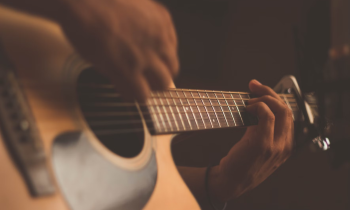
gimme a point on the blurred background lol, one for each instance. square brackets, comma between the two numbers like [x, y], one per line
[225, 44]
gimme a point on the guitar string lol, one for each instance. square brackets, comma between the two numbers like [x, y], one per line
[116, 104]
[95, 123]
[109, 86]
[184, 128]
[149, 102]
[116, 95]
[123, 113]
[183, 90]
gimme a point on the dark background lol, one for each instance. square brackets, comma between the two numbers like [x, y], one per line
[225, 44]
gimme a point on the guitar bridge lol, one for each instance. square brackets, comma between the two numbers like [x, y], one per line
[20, 135]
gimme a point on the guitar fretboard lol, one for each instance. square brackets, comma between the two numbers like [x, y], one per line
[179, 110]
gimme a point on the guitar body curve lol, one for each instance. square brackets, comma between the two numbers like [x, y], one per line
[47, 70]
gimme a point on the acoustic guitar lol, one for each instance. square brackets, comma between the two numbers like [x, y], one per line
[68, 141]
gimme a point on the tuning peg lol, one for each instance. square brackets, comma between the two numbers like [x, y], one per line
[320, 143]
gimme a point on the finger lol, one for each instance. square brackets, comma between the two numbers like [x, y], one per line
[166, 49]
[168, 54]
[282, 114]
[260, 90]
[125, 71]
[131, 87]
[266, 119]
[170, 30]
[157, 74]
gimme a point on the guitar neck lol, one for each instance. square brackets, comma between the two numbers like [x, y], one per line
[178, 110]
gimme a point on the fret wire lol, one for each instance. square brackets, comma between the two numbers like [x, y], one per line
[196, 97]
[166, 113]
[207, 112]
[94, 114]
[250, 120]
[195, 129]
[111, 104]
[234, 119]
[237, 109]
[114, 95]
[242, 102]
[198, 128]
[287, 102]
[245, 104]
[156, 118]
[186, 90]
[214, 110]
[161, 116]
[188, 119]
[199, 111]
[292, 99]
[179, 113]
[222, 110]
[195, 119]
[213, 91]
[172, 112]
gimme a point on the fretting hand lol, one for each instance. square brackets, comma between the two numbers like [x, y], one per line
[262, 149]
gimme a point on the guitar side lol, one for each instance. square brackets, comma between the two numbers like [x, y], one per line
[39, 51]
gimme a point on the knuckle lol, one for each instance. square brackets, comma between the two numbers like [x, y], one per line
[288, 113]
[280, 152]
[268, 97]
[266, 149]
[267, 112]
[270, 117]
[284, 110]
[268, 153]
[267, 88]
[288, 150]
[262, 106]
[164, 10]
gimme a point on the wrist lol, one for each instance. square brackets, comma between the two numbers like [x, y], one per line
[216, 185]
[211, 186]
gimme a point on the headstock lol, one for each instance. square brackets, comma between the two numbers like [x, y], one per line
[306, 126]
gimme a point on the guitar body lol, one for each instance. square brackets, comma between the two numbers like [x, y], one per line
[85, 173]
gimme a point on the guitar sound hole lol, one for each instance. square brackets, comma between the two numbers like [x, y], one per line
[116, 123]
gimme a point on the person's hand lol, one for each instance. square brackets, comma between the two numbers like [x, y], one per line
[132, 42]
[262, 149]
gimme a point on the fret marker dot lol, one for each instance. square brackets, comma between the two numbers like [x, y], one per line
[213, 120]
[186, 108]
